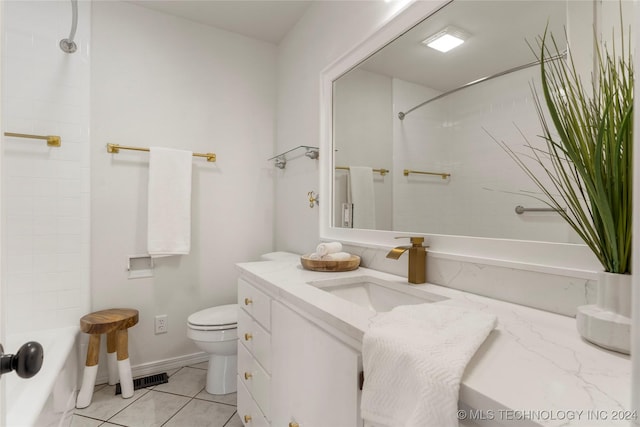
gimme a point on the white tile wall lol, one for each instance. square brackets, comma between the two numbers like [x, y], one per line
[45, 190]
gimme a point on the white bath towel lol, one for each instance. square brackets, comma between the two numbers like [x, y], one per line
[362, 196]
[413, 359]
[169, 204]
[328, 248]
[336, 256]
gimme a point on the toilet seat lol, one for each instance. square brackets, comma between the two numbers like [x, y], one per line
[213, 328]
[218, 318]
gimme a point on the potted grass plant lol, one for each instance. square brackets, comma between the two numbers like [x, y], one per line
[584, 170]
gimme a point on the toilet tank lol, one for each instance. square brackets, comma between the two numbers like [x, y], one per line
[279, 256]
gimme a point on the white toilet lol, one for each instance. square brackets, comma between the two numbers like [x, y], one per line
[214, 330]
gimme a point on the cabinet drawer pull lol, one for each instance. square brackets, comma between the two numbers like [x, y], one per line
[248, 301]
[294, 424]
[247, 418]
[247, 375]
[247, 336]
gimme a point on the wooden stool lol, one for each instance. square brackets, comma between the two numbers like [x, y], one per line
[115, 323]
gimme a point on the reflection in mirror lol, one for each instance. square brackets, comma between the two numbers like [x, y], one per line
[446, 175]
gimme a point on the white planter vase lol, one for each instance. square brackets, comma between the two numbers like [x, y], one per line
[608, 322]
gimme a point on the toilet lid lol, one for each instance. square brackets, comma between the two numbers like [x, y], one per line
[215, 316]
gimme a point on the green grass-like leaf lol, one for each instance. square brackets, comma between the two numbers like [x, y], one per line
[588, 155]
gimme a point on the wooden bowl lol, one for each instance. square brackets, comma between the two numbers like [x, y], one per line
[328, 265]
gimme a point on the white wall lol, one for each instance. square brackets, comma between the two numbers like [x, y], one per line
[327, 31]
[158, 80]
[45, 190]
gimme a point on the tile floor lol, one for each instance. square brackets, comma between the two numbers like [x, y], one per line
[182, 402]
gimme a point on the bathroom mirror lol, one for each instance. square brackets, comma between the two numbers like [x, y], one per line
[458, 181]
[461, 191]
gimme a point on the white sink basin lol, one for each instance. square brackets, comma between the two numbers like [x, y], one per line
[375, 294]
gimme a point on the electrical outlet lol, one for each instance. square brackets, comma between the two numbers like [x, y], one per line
[161, 324]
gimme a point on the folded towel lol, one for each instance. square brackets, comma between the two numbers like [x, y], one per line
[169, 202]
[328, 248]
[413, 358]
[337, 256]
[362, 196]
[315, 256]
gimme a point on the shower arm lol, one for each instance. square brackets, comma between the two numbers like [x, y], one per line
[68, 45]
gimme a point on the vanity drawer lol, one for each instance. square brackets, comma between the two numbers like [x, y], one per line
[257, 381]
[255, 302]
[255, 339]
[248, 411]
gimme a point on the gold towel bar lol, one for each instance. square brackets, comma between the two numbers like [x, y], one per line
[382, 172]
[115, 148]
[52, 140]
[443, 175]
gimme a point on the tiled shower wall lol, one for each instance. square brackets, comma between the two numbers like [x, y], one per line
[45, 239]
[455, 135]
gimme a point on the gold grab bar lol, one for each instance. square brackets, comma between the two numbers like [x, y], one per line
[52, 140]
[382, 172]
[115, 148]
[443, 175]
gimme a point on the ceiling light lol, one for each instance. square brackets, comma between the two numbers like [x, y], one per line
[446, 39]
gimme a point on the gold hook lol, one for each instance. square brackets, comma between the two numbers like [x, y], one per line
[313, 199]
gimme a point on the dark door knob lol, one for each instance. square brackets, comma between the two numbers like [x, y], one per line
[26, 362]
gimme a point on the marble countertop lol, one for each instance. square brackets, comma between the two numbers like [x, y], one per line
[533, 370]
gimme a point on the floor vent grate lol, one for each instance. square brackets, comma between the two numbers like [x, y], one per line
[144, 382]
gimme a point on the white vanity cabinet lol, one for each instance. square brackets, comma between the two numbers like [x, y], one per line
[254, 347]
[291, 371]
[315, 376]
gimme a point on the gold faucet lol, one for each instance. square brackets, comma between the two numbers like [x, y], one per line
[417, 259]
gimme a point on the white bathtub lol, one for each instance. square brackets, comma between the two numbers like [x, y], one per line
[47, 399]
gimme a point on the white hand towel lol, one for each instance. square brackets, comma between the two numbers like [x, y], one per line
[328, 248]
[413, 358]
[336, 256]
[169, 204]
[362, 196]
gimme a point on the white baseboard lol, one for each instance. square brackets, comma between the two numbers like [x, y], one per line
[160, 366]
